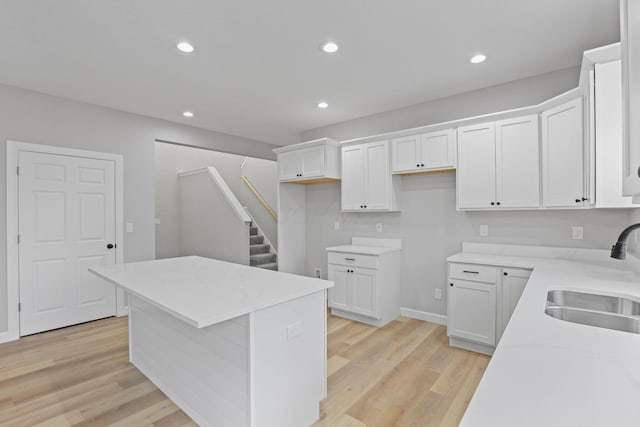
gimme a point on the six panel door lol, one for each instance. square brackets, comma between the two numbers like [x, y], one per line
[66, 221]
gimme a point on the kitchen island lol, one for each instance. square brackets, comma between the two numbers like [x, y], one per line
[228, 343]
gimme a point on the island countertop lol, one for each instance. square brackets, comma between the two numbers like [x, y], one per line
[203, 291]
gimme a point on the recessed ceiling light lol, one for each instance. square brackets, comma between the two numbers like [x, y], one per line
[329, 47]
[188, 114]
[322, 104]
[476, 59]
[185, 47]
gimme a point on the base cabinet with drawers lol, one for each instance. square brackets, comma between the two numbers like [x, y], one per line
[481, 299]
[366, 285]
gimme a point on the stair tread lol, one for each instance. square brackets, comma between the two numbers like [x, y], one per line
[261, 248]
[269, 266]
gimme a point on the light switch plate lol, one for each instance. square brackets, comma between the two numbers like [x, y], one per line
[437, 294]
[129, 227]
[379, 227]
[484, 230]
[577, 232]
[336, 225]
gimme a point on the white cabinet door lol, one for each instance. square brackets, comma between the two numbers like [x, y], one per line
[377, 176]
[513, 283]
[339, 294]
[312, 162]
[476, 176]
[437, 150]
[406, 153]
[353, 176]
[630, 38]
[517, 163]
[563, 172]
[288, 165]
[364, 292]
[608, 136]
[472, 311]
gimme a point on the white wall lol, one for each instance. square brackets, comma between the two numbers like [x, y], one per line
[428, 224]
[28, 116]
[172, 158]
[210, 226]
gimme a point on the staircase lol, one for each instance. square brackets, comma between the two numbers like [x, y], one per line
[260, 253]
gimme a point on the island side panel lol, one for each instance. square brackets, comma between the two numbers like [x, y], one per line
[288, 360]
[204, 371]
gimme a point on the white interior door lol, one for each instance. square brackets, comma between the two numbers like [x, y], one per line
[66, 220]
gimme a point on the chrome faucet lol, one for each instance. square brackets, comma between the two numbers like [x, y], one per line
[619, 250]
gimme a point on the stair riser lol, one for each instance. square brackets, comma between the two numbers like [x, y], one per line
[262, 259]
[259, 249]
[256, 240]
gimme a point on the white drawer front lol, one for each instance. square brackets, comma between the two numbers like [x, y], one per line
[478, 273]
[355, 260]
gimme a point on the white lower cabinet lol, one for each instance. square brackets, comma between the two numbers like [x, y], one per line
[481, 300]
[366, 286]
[472, 311]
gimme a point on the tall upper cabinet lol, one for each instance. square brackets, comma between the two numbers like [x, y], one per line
[630, 37]
[498, 164]
[564, 181]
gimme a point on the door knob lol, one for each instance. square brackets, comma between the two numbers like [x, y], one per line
[111, 246]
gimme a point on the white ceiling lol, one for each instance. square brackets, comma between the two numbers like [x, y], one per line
[257, 70]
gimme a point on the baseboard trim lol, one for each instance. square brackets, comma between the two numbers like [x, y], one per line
[7, 337]
[423, 315]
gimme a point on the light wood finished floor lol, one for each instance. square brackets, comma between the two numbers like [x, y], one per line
[404, 374]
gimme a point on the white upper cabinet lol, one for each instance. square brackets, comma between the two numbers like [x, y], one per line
[563, 156]
[309, 162]
[426, 152]
[498, 165]
[608, 135]
[367, 183]
[517, 163]
[630, 37]
[476, 172]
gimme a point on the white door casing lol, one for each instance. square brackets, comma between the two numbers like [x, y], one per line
[81, 184]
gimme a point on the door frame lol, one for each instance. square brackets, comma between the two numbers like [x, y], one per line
[13, 261]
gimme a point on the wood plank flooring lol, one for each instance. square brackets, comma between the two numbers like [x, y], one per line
[404, 374]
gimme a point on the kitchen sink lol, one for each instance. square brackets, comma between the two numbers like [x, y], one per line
[586, 301]
[602, 311]
[595, 318]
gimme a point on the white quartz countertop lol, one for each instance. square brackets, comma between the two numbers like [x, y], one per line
[364, 250]
[203, 291]
[548, 372]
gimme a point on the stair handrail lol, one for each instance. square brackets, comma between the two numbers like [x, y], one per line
[224, 189]
[266, 239]
[260, 198]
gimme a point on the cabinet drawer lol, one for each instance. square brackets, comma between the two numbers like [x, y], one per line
[478, 273]
[356, 260]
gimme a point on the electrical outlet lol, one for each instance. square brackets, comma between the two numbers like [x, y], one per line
[379, 227]
[317, 272]
[484, 230]
[437, 294]
[336, 225]
[577, 232]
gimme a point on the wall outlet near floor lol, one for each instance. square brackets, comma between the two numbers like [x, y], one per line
[577, 232]
[379, 227]
[317, 272]
[336, 225]
[484, 230]
[437, 293]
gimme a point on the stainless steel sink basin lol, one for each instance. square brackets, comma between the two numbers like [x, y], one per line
[595, 318]
[603, 311]
[586, 301]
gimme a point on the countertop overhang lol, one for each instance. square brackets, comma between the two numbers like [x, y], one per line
[203, 291]
[549, 372]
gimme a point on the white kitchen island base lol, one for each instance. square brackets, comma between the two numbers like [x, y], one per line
[265, 368]
[231, 345]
